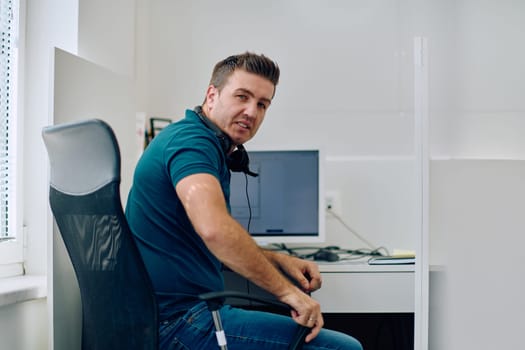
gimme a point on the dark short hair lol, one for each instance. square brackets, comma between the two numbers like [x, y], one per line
[250, 62]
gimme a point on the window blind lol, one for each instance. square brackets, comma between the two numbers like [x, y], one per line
[7, 135]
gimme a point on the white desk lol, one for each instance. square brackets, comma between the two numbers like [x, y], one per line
[374, 303]
[354, 287]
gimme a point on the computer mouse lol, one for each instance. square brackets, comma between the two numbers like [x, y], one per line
[326, 255]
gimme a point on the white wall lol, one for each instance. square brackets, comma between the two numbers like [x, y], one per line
[24, 326]
[477, 78]
[49, 23]
[346, 87]
[106, 34]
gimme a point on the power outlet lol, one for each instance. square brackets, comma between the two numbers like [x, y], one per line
[332, 201]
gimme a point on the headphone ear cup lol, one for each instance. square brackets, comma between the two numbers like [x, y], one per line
[238, 161]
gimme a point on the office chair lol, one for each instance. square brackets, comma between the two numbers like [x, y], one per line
[119, 309]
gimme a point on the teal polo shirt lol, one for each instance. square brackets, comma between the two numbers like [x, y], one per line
[177, 260]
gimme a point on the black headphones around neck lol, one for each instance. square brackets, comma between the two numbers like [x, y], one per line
[238, 160]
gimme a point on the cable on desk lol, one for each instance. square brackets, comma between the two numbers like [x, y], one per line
[356, 253]
[373, 247]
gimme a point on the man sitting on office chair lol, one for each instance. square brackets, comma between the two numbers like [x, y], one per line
[178, 210]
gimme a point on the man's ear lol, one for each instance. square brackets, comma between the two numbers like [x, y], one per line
[211, 95]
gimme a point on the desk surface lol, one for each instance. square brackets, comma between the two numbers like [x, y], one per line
[362, 266]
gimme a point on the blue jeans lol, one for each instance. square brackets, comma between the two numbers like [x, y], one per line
[244, 330]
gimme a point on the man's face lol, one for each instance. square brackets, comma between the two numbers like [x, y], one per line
[239, 108]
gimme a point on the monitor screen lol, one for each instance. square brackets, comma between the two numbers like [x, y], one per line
[282, 204]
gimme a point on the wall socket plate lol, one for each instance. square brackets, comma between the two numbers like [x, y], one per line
[332, 201]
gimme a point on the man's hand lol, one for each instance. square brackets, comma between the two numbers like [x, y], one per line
[304, 272]
[305, 311]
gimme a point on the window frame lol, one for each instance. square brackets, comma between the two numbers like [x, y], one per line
[12, 248]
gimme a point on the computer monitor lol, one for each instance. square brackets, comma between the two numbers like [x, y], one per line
[284, 204]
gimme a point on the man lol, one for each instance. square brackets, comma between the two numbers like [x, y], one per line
[178, 210]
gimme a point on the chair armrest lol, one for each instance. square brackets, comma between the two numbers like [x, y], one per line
[216, 299]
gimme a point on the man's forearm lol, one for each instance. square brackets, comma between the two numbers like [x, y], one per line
[272, 256]
[237, 250]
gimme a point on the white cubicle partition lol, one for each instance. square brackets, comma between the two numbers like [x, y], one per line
[477, 219]
[421, 146]
[84, 90]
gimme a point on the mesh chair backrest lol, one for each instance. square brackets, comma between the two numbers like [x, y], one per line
[118, 304]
